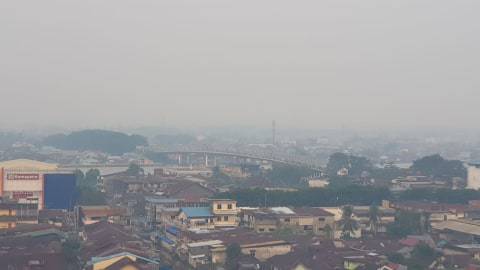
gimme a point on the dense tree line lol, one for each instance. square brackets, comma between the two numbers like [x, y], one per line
[460, 196]
[288, 176]
[115, 143]
[358, 195]
[338, 196]
[9, 138]
[361, 168]
[438, 167]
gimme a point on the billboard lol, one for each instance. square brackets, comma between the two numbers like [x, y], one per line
[59, 191]
[23, 176]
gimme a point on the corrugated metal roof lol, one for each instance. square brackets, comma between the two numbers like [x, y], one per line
[472, 228]
[197, 211]
[282, 210]
[173, 230]
[160, 200]
[27, 164]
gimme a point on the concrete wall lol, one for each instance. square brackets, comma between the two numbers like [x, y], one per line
[473, 180]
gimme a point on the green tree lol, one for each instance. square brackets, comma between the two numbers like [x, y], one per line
[421, 257]
[355, 165]
[405, 223]
[234, 251]
[425, 222]
[396, 258]
[134, 170]
[373, 218]
[348, 224]
[90, 196]
[71, 251]
[91, 178]
[288, 176]
[112, 142]
[80, 177]
[438, 167]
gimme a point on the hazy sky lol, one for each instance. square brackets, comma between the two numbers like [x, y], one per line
[368, 63]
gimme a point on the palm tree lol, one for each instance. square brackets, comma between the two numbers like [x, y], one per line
[425, 222]
[373, 218]
[348, 224]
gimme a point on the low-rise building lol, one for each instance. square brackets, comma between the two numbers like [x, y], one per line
[93, 214]
[210, 247]
[415, 182]
[13, 213]
[300, 220]
[436, 211]
[195, 218]
[225, 212]
[463, 231]
[122, 261]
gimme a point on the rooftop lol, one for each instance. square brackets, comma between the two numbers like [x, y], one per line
[193, 212]
[462, 226]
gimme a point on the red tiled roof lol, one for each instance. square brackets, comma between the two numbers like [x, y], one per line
[409, 242]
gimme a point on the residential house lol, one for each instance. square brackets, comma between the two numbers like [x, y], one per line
[96, 213]
[195, 218]
[14, 213]
[122, 261]
[214, 245]
[299, 220]
[225, 212]
[436, 212]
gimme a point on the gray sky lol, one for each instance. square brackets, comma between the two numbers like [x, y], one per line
[319, 63]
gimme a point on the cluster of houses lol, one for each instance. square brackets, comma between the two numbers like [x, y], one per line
[185, 220]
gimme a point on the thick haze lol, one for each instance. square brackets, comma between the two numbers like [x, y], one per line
[370, 63]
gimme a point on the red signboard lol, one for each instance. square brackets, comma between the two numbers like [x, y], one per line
[23, 176]
[22, 194]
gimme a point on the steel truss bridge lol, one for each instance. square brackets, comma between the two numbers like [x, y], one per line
[213, 154]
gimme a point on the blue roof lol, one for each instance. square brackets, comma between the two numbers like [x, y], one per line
[173, 230]
[166, 240]
[193, 212]
[160, 200]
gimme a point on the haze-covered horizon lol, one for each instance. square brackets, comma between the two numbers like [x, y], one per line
[308, 64]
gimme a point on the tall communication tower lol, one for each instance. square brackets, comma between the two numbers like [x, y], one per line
[273, 132]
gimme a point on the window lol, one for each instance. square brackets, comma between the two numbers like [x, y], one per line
[307, 227]
[229, 206]
[271, 229]
[287, 220]
[225, 218]
[252, 252]
[321, 219]
[219, 206]
[219, 218]
[261, 229]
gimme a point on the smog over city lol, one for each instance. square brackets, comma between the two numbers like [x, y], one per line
[228, 135]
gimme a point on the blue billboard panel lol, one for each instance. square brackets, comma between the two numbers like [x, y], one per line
[59, 191]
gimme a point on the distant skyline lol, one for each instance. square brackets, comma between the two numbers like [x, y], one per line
[310, 64]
